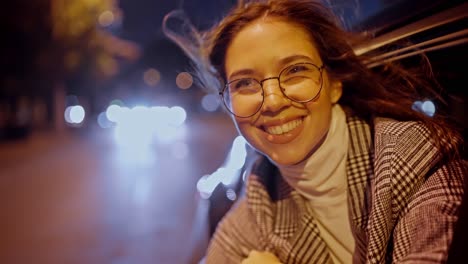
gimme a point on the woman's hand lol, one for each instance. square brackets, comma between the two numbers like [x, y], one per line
[256, 257]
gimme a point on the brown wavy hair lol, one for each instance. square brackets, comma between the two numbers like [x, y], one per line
[387, 91]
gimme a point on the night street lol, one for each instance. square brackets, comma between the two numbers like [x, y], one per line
[80, 198]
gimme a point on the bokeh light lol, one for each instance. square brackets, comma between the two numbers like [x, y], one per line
[152, 77]
[228, 173]
[117, 102]
[103, 121]
[231, 194]
[66, 115]
[180, 150]
[210, 102]
[142, 125]
[426, 107]
[74, 114]
[177, 116]
[184, 80]
[106, 18]
[77, 114]
[112, 112]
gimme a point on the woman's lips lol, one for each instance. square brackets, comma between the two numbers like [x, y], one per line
[284, 133]
[283, 128]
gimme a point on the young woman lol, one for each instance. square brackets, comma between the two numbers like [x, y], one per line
[347, 170]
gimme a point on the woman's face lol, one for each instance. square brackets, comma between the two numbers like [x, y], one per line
[287, 132]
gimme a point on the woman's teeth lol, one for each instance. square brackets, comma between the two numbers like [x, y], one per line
[284, 128]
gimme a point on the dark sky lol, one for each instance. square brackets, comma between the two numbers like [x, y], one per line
[143, 18]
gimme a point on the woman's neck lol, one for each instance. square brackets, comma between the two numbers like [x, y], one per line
[323, 173]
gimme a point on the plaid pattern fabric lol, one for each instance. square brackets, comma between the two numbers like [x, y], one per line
[403, 204]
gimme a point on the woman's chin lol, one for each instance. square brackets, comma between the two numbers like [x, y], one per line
[285, 159]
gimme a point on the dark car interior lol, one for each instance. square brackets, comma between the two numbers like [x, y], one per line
[437, 30]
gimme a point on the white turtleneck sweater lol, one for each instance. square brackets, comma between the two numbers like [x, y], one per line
[322, 180]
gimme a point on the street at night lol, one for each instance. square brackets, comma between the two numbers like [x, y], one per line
[81, 198]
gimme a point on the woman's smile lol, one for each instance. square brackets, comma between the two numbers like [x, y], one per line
[283, 133]
[284, 128]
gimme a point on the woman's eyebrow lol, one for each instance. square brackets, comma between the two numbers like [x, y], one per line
[293, 58]
[240, 73]
[282, 62]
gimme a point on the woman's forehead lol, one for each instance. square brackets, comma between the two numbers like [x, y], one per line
[269, 42]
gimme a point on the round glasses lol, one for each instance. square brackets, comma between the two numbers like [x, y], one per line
[300, 83]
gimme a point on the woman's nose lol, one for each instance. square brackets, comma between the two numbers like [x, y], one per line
[274, 99]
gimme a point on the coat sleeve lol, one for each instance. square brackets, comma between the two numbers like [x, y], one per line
[234, 237]
[424, 232]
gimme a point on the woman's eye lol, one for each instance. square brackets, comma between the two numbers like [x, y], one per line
[245, 83]
[245, 86]
[297, 68]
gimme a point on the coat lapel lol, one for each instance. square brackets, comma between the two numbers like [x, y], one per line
[360, 173]
[285, 220]
[405, 154]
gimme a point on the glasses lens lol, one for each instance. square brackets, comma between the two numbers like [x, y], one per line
[301, 82]
[243, 97]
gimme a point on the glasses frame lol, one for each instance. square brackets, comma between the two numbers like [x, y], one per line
[226, 86]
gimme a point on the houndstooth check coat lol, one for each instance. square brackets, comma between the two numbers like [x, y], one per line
[403, 204]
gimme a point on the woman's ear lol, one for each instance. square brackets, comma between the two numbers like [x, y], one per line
[336, 89]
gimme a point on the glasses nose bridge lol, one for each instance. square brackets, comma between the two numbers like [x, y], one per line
[267, 79]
